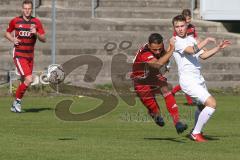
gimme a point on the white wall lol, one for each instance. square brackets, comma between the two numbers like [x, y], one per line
[220, 9]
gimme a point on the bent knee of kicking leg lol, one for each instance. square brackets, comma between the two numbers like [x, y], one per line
[211, 102]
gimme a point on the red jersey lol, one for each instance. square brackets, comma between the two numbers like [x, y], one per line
[141, 70]
[21, 30]
[191, 30]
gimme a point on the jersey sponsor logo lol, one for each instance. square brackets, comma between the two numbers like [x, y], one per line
[149, 57]
[24, 33]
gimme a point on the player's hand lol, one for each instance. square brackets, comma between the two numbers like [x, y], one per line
[223, 44]
[16, 41]
[33, 30]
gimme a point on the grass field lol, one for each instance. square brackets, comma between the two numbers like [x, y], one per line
[127, 133]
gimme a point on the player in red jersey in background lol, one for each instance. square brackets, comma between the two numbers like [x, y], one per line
[191, 31]
[148, 80]
[26, 30]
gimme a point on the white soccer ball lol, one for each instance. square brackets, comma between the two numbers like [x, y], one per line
[55, 74]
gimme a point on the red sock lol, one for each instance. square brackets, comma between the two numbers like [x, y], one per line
[176, 89]
[21, 90]
[189, 99]
[151, 105]
[172, 107]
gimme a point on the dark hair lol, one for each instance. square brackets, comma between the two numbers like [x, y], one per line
[27, 2]
[186, 12]
[155, 38]
[180, 18]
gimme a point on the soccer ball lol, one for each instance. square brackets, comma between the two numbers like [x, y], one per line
[55, 74]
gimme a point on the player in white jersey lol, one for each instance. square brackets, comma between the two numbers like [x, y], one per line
[187, 53]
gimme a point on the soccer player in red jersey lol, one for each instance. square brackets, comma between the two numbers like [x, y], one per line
[191, 31]
[26, 30]
[149, 81]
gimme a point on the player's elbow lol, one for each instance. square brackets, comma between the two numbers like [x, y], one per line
[155, 65]
[203, 57]
[160, 65]
[43, 40]
[6, 35]
[189, 50]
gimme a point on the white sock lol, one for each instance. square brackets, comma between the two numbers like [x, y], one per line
[197, 112]
[202, 119]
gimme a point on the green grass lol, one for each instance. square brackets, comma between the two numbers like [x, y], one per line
[127, 133]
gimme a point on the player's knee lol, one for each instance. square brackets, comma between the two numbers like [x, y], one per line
[164, 90]
[28, 80]
[211, 102]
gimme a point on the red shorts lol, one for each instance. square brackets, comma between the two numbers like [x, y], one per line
[151, 85]
[146, 91]
[24, 66]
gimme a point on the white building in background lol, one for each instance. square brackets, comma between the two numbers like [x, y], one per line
[220, 9]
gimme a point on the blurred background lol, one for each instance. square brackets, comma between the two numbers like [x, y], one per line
[106, 28]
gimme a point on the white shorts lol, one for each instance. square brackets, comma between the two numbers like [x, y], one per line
[195, 87]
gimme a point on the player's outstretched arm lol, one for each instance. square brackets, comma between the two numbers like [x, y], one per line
[199, 46]
[207, 54]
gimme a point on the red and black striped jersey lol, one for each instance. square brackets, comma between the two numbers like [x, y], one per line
[21, 29]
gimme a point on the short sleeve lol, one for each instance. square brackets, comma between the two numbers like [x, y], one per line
[11, 26]
[147, 56]
[180, 47]
[39, 27]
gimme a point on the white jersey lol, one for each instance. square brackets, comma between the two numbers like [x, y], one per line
[190, 78]
[187, 63]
